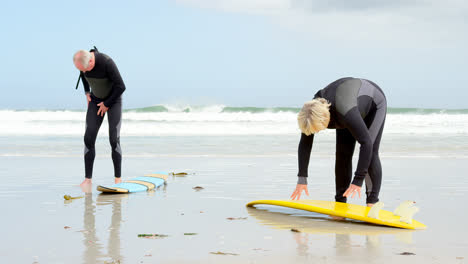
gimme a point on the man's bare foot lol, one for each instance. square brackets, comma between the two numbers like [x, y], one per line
[118, 180]
[337, 218]
[86, 185]
[86, 182]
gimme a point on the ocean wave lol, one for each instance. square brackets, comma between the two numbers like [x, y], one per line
[234, 109]
[256, 110]
[171, 120]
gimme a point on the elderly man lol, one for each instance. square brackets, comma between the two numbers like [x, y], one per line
[356, 108]
[103, 87]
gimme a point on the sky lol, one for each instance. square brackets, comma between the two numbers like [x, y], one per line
[262, 53]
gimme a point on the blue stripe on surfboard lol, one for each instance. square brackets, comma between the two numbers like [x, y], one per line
[131, 187]
[161, 172]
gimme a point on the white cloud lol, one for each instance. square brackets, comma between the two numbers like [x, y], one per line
[242, 6]
[419, 23]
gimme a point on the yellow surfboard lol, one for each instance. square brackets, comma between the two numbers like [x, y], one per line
[352, 211]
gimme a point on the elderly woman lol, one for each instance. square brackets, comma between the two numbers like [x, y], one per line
[356, 108]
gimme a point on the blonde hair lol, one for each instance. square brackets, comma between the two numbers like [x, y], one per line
[314, 116]
[83, 57]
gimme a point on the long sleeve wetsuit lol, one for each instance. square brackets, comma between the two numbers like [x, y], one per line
[106, 86]
[357, 112]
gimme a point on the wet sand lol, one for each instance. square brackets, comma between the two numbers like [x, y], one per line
[39, 226]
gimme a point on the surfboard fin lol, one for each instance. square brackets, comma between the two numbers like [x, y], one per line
[375, 209]
[402, 207]
[407, 215]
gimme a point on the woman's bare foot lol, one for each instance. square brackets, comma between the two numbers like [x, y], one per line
[118, 180]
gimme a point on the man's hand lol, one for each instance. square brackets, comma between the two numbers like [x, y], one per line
[296, 195]
[352, 190]
[102, 109]
[88, 98]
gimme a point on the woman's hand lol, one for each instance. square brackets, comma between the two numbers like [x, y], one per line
[296, 195]
[352, 190]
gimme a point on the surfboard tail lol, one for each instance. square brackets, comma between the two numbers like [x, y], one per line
[111, 189]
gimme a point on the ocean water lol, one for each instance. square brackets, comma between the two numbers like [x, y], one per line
[237, 155]
[203, 130]
[217, 120]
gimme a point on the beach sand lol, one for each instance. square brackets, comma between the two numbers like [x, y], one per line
[39, 226]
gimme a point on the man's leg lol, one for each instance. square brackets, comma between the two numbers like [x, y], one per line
[115, 120]
[93, 123]
[345, 144]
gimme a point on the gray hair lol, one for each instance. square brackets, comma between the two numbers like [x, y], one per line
[83, 57]
[314, 116]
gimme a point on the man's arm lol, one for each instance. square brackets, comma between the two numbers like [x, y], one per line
[118, 86]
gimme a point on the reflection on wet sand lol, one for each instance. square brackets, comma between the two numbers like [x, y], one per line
[315, 224]
[93, 247]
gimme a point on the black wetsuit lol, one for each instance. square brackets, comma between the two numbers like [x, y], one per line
[106, 86]
[357, 112]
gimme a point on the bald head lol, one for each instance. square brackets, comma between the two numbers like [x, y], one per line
[84, 60]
